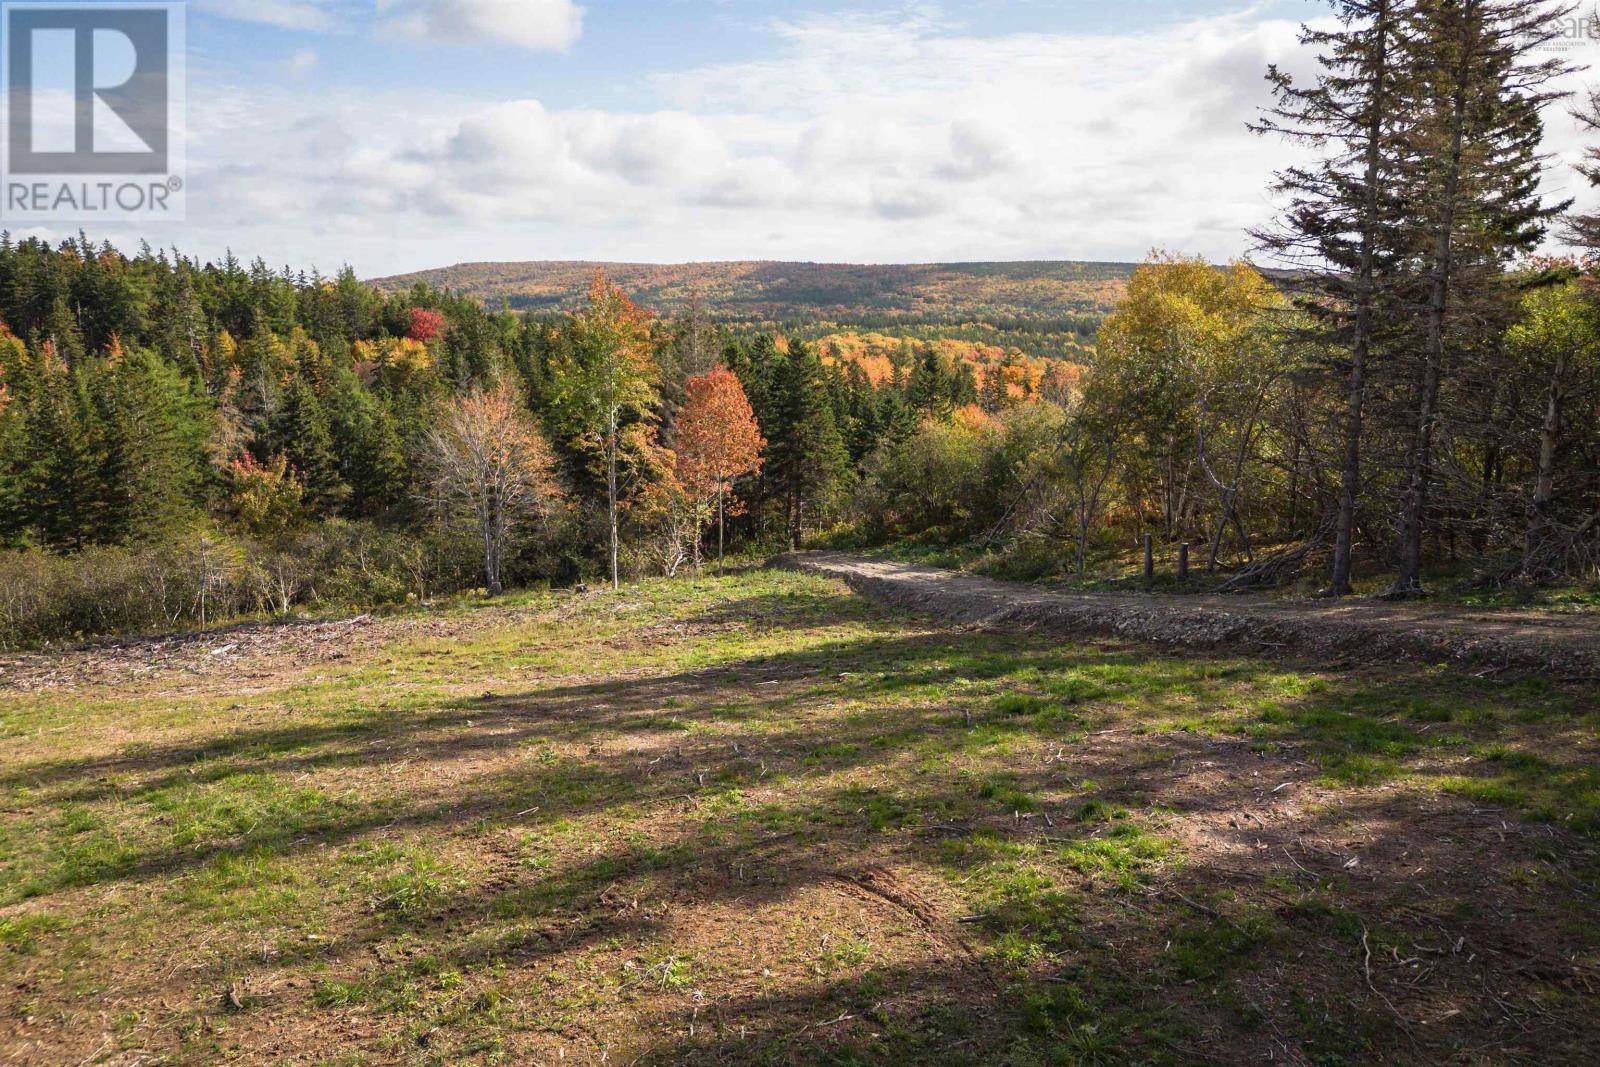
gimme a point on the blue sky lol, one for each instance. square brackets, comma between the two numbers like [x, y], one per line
[400, 134]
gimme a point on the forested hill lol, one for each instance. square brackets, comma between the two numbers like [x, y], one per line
[1002, 294]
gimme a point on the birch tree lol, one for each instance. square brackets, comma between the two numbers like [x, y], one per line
[487, 468]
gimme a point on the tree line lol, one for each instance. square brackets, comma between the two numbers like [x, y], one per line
[1404, 389]
[188, 440]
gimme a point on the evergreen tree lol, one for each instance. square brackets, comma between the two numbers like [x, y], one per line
[1341, 230]
[995, 396]
[152, 448]
[863, 428]
[13, 457]
[964, 389]
[806, 456]
[371, 452]
[1471, 181]
[930, 388]
[59, 462]
[300, 431]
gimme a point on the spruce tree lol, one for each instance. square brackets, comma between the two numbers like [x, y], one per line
[995, 395]
[807, 458]
[13, 457]
[152, 448]
[1471, 182]
[1341, 229]
[371, 453]
[929, 390]
[300, 431]
[60, 481]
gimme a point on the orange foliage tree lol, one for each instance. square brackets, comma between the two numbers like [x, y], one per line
[717, 442]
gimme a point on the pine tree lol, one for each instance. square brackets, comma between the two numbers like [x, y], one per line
[806, 455]
[964, 390]
[300, 431]
[897, 419]
[930, 388]
[863, 429]
[13, 456]
[372, 455]
[60, 483]
[152, 448]
[1471, 182]
[1341, 229]
[995, 395]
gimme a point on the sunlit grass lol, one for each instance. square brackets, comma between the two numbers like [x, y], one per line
[487, 835]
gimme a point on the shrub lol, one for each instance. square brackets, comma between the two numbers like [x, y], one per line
[201, 577]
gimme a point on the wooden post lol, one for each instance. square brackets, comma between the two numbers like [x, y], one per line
[1149, 557]
[1183, 562]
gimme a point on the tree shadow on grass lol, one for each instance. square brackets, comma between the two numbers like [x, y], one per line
[739, 715]
[1091, 938]
[1085, 940]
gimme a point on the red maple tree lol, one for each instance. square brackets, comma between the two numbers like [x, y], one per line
[426, 325]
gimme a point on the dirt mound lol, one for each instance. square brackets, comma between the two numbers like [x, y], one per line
[1511, 640]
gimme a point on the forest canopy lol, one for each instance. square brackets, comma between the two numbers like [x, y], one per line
[1397, 391]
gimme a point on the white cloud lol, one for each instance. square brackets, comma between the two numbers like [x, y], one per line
[302, 62]
[287, 14]
[538, 25]
[852, 139]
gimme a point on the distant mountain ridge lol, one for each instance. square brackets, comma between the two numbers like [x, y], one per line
[1014, 293]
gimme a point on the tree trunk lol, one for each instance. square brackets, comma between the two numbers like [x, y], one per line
[491, 568]
[1544, 486]
[722, 519]
[1420, 461]
[1355, 404]
[611, 501]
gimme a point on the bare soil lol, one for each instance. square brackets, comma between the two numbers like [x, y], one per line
[1373, 631]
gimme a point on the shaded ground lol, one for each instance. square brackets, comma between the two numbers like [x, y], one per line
[1490, 639]
[761, 821]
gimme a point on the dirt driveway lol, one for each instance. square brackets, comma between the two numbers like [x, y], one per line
[1487, 640]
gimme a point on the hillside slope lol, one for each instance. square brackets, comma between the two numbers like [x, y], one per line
[999, 293]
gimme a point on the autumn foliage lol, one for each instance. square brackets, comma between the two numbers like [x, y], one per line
[605, 391]
[266, 498]
[487, 468]
[717, 442]
[426, 325]
[717, 438]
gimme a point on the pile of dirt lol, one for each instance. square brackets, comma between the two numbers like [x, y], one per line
[1500, 640]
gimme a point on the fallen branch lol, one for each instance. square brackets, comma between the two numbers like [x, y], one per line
[1278, 567]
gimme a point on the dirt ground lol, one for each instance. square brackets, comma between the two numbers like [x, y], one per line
[1494, 639]
[760, 821]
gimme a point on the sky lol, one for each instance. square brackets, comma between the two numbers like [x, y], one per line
[396, 135]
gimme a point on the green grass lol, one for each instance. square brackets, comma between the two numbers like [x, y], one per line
[758, 820]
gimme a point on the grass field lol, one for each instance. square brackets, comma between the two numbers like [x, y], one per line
[756, 820]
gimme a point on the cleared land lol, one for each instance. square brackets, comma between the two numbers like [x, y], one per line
[760, 820]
